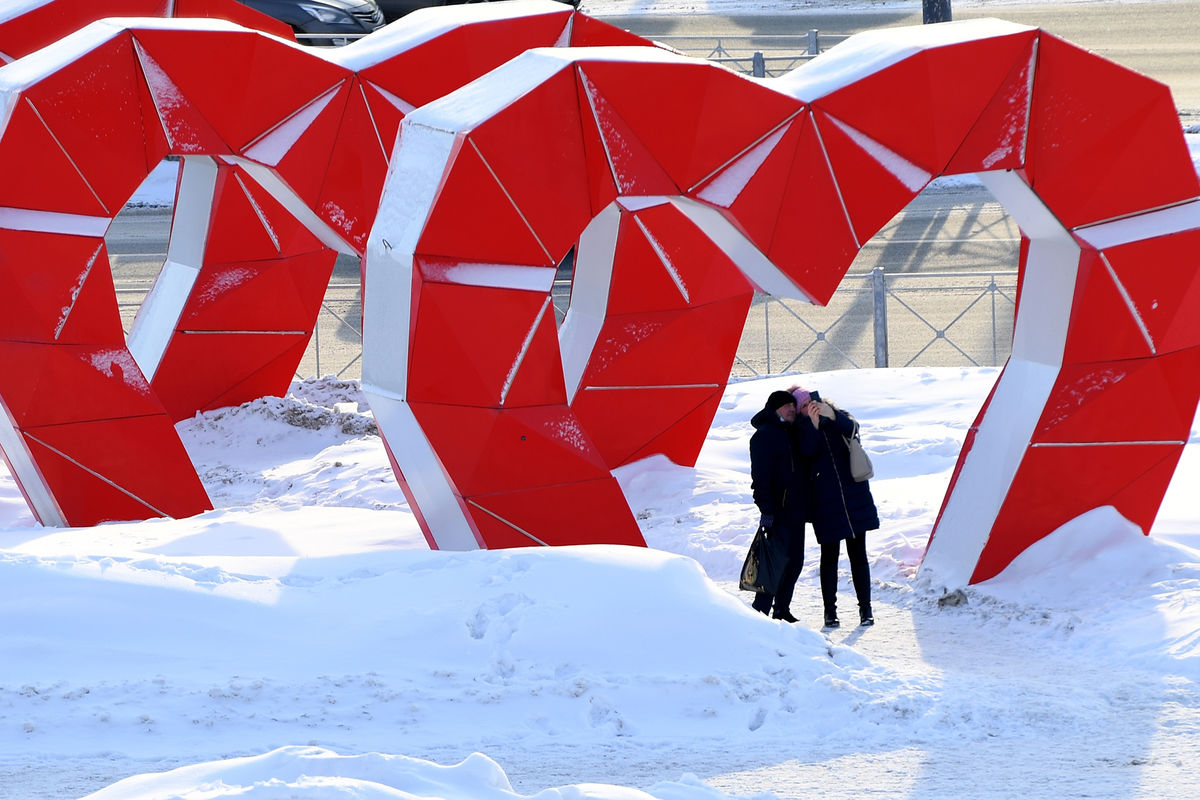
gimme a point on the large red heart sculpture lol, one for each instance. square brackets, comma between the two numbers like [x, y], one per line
[283, 153]
[683, 186]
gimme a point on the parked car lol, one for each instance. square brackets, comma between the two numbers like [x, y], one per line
[350, 18]
[395, 9]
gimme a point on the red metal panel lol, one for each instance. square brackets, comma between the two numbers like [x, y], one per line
[385, 115]
[587, 512]
[660, 347]
[1127, 476]
[590, 32]
[181, 124]
[308, 162]
[38, 173]
[753, 186]
[915, 90]
[42, 384]
[246, 221]
[538, 376]
[1104, 141]
[601, 182]
[286, 78]
[632, 423]
[1103, 325]
[676, 126]
[463, 54]
[1163, 282]
[44, 24]
[111, 157]
[812, 240]
[476, 219]
[1108, 401]
[223, 9]
[57, 289]
[701, 271]
[271, 295]
[88, 469]
[248, 224]
[358, 160]
[547, 189]
[683, 439]
[51, 20]
[872, 192]
[488, 450]
[640, 281]
[472, 342]
[203, 371]
[997, 141]
[635, 169]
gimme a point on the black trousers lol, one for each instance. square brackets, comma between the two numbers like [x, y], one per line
[860, 572]
[791, 572]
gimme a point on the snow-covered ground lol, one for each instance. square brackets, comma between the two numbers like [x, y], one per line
[301, 641]
[304, 639]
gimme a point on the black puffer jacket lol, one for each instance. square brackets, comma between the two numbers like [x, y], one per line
[780, 464]
[842, 507]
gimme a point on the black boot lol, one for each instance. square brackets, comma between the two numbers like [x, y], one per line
[762, 603]
[865, 617]
[831, 619]
[784, 615]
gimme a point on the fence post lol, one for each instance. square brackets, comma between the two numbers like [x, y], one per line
[814, 42]
[934, 11]
[760, 65]
[767, 330]
[879, 296]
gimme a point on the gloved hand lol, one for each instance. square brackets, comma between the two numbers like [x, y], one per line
[766, 521]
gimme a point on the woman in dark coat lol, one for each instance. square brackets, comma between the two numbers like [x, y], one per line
[842, 508]
[780, 454]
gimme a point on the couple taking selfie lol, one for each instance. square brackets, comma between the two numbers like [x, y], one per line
[800, 471]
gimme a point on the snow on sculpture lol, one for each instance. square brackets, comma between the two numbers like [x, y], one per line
[283, 153]
[680, 173]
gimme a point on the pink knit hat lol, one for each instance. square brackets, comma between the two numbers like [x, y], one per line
[801, 396]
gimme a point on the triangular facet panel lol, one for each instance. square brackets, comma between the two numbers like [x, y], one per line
[1162, 279]
[547, 189]
[997, 140]
[1092, 476]
[697, 122]
[813, 241]
[875, 182]
[916, 89]
[93, 479]
[285, 79]
[76, 104]
[552, 514]
[471, 343]
[477, 220]
[1104, 141]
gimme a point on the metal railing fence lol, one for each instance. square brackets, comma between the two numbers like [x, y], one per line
[877, 319]
[754, 59]
[874, 319]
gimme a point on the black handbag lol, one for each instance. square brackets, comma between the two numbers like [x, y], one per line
[764, 563]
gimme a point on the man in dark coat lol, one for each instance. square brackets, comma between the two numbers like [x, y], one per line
[780, 452]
